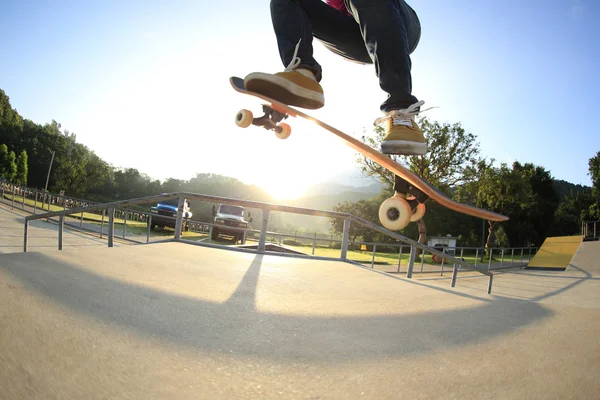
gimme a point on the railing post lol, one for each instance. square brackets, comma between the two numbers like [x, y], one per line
[124, 224]
[35, 193]
[263, 230]
[61, 228]
[400, 258]
[179, 220]
[373, 259]
[111, 227]
[346, 238]
[81, 220]
[411, 262]
[22, 199]
[25, 236]
[490, 284]
[102, 224]
[422, 261]
[491, 255]
[522, 249]
[443, 260]
[512, 259]
[502, 258]
[454, 275]
[314, 244]
[12, 205]
[148, 229]
[476, 256]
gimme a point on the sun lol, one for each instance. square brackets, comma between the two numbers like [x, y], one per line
[281, 188]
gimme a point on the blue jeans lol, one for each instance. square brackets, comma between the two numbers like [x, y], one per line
[379, 32]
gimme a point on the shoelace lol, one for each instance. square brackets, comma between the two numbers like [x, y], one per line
[404, 114]
[295, 59]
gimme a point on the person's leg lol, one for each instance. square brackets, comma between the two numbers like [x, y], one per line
[295, 22]
[391, 31]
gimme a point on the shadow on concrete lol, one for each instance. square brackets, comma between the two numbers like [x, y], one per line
[236, 326]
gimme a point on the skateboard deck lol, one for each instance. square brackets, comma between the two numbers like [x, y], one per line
[276, 111]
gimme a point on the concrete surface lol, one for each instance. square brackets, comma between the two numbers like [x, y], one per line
[175, 321]
[43, 236]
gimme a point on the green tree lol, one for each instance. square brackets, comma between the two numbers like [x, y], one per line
[365, 209]
[452, 153]
[8, 166]
[594, 172]
[533, 223]
[21, 177]
[574, 209]
[502, 190]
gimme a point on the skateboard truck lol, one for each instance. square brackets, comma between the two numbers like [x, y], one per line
[271, 121]
[397, 211]
[402, 186]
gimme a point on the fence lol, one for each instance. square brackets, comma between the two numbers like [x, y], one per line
[109, 210]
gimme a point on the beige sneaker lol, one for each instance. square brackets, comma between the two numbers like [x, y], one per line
[402, 134]
[295, 86]
[298, 87]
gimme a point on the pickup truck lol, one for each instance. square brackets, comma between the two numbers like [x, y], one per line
[227, 217]
[168, 208]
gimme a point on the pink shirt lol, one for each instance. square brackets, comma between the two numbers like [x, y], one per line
[338, 5]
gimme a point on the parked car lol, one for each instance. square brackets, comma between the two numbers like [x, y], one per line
[227, 217]
[168, 208]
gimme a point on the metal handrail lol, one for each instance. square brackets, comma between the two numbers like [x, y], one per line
[266, 209]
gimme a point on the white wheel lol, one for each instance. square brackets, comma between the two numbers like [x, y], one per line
[244, 118]
[395, 213]
[419, 212]
[283, 131]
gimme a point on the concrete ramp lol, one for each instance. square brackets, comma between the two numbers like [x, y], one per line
[587, 258]
[177, 321]
[556, 253]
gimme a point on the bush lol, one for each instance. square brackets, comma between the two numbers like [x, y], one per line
[292, 242]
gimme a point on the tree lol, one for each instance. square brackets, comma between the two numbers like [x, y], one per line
[501, 190]
[8, 166]
[534, 222]
[365, 209]
[574, 209]
[21, 177]
[594, 172]
[452, 152]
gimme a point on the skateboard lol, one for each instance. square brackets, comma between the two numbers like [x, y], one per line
[411, 191]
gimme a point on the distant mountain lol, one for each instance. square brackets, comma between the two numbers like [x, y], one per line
[563, 188]
[325, 196]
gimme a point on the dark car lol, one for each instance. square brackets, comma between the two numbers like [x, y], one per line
[166, 209]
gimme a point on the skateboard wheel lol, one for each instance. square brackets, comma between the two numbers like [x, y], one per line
[244, 118]
[418, 213]
[283, 131]
[395, 213]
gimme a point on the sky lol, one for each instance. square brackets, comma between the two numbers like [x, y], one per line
[144, 84]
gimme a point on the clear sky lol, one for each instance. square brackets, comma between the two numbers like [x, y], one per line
[144, 83]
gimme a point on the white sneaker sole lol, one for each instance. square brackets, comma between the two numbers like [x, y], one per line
[403, 147]
[285, 91]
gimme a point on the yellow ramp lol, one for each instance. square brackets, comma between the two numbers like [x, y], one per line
[556, 252]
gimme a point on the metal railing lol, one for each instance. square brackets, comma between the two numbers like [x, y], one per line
[266, 208]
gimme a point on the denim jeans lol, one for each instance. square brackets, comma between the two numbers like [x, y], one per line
[379, 32]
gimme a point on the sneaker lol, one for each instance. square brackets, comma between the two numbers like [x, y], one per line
[295, 86]
[402, 134]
